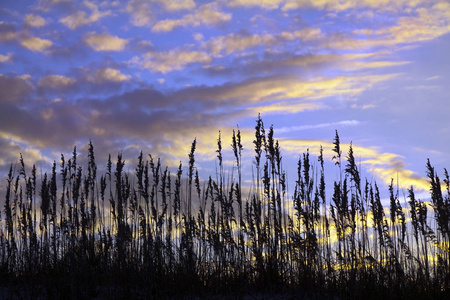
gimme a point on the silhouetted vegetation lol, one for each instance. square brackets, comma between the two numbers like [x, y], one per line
[153, 233]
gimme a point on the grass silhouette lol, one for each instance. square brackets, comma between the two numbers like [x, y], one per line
[156, 234]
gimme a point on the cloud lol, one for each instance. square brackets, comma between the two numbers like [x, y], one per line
[264, 90]
[56, 81]
[165, 62]
[108, 75]
[144, 46]
[174, 5]
[14, 89]
[425, 20]
[237, 42]
[41, 124]
[427, 25]
[198, 36]
[7, 31]
[141, 12]
[35, 20]
[358, 65]
[5, 58]
[322, 125]
[58, 1]
[275, 94]
[285, 107]
[145, 117]
[424, 87]
[268, 67]
[207, 14]
[266, 4]
[80, 18]
[306, 34]
[324, 4]
[423, 24]
[10, 150]
[274, 63]
[331, 5]
[36, 44]
[433, 77]
[368, 106]
[178, 59]
[105, 42]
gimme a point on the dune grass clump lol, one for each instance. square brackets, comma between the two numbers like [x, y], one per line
[153, 233]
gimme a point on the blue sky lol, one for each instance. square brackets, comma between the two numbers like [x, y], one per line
[152, 75]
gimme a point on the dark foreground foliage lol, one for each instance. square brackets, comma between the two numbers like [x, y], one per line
[157, 234]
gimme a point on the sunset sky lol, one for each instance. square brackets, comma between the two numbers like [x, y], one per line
[152, 75]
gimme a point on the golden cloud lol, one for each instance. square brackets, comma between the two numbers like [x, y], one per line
[277, 88]
[36, 44]
[105, 42]
[432, 20]
[236, 42]
[265, 4]
[286, 107]
[427, 24]
[109, 74]
[173, 5]
[205, 15]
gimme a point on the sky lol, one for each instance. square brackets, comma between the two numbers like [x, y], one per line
[152, 75]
